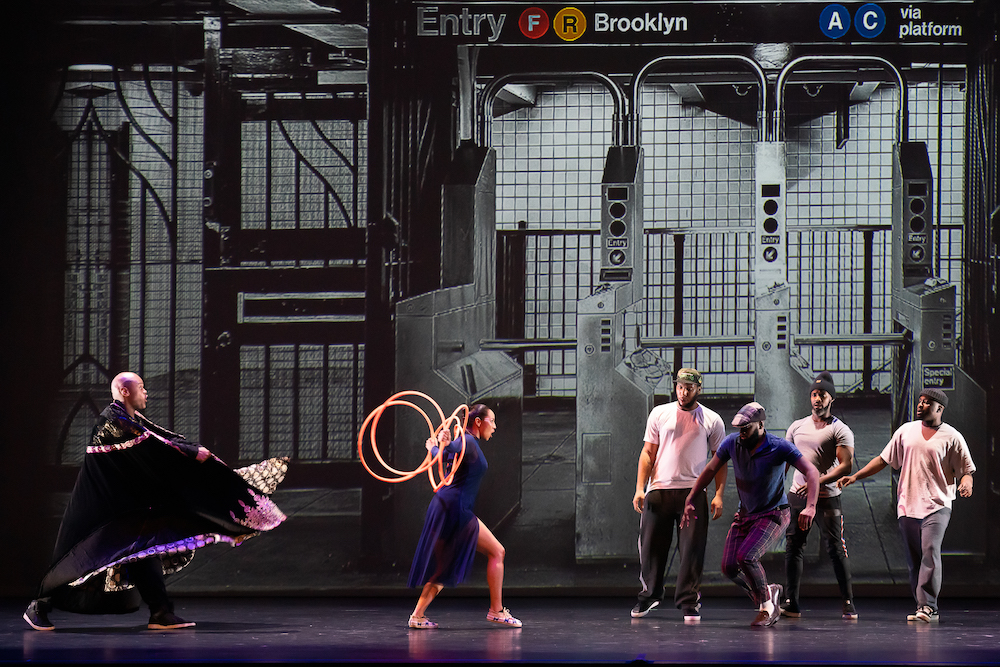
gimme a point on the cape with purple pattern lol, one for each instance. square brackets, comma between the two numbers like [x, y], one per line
[141, 493]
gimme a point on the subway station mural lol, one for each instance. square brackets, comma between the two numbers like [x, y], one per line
[281, 219]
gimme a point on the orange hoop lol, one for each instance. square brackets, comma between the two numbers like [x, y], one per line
[455, 426]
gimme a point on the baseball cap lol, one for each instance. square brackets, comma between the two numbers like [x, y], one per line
[692, 375]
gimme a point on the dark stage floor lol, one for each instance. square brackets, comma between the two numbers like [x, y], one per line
[566, 629]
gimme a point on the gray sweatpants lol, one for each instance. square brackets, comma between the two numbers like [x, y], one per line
[922, 540]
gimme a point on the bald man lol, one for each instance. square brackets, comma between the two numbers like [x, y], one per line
[144, 500]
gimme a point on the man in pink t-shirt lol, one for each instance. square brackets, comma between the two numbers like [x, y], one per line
[934, 462]
[681, 437]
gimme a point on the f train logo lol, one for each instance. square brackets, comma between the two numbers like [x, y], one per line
[569, 23]
[835, 21]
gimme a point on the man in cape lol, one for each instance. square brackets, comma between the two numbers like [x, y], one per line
[144, 500]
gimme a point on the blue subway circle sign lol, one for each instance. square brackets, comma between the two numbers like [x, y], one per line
[834, 21]
[869, 21]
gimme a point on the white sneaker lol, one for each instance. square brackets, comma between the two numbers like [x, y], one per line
[503, 617]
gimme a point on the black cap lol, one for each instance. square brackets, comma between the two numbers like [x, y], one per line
[824, 381]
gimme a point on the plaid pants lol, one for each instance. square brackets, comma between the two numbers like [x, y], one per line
[747, 540]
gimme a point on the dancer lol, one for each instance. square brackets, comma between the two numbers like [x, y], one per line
[828, 444]
[144, 500]
[759, 461]
[452, 533]
[680, 439]
[930, 456]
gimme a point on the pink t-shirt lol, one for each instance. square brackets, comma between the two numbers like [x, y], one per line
[929, 470]
[687, 440]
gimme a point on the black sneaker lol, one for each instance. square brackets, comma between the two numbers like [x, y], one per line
[790, 609]
[643, 607]
[37, 616]
[927, 615]
[692, 614]
[168, 620]
[850, 613]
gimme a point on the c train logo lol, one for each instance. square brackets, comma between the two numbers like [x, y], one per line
[835, 20]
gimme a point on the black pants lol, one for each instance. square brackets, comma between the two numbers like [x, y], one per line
[662, 511]
[147, 577]
[831, 522]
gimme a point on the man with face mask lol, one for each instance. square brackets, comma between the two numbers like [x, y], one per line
[828, 443]
[759, 462]
[680, 438]
[931, 457]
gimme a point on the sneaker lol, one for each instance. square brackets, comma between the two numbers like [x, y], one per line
[790, 609]
[850, 613]
[37, 617]
[692, 614]
[643, 607]
[421, 623]
[168, 620]
[913, 616]
[503, 617]
[775, 590]
[765, 618]
[926, 614]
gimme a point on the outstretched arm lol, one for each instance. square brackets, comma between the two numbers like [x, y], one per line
[874, 466]
[700, 485]
[807, 515]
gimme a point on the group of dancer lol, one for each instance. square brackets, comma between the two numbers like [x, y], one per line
[686, 448]
[146, 498]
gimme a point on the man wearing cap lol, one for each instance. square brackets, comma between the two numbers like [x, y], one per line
[680, 438]
[828, 444]
[759, 463]
[931, 457]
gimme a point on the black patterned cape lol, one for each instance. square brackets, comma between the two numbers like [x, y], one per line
[141, 493]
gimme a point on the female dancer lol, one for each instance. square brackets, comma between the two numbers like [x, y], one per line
[452, 533]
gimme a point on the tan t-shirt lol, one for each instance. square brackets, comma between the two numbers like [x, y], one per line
[929, 470]
[819, 447]
[687, 440]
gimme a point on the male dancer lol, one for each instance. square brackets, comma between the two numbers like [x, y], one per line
[828, 444]
[680, 438]
[759, 461]
[144, 500]
[930, 456]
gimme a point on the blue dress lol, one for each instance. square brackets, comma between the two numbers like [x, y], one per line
[448, 541]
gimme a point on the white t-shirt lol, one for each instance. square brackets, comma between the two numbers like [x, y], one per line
[929, 470]
[687, 440]
[819, 447]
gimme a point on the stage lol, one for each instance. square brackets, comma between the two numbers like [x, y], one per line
[556, 629]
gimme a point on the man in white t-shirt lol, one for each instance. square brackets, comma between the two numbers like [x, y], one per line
[681, 437]
[933, 460]
[828, 444]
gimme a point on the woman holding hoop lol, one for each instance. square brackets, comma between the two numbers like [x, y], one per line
[452, 533]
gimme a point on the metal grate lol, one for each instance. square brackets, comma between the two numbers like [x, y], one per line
[301, 401]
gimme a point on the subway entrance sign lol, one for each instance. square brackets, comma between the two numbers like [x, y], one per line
[695, 23]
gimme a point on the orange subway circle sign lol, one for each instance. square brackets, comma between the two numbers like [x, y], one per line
[569, 24]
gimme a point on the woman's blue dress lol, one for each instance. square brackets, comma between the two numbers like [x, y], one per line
[448, 542]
